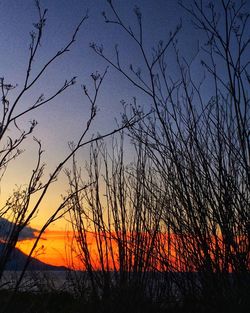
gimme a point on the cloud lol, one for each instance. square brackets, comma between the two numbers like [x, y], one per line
[6, 226]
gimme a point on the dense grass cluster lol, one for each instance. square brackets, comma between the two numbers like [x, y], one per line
[124, 300]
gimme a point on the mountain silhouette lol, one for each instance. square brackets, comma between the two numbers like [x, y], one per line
[18, 259]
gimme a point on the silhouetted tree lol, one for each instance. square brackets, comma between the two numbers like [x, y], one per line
[191, 179]
[23, 205]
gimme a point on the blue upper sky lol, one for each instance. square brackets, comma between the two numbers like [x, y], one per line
[63, 119]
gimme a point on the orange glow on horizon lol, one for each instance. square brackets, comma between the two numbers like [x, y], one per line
[61, 248]
[51, 248]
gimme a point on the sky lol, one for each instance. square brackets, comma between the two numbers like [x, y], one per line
[63, 119]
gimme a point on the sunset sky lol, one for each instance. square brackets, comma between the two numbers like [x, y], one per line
[63, 119]
[53, 248]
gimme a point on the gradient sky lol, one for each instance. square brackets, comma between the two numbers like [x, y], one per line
[63, 119]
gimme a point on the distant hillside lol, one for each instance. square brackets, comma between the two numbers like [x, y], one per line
[18, 259]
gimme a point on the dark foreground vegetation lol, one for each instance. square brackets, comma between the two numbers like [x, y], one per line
[169, 230]
[128, 299]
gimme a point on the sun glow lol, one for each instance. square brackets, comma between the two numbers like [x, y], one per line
[52, 248]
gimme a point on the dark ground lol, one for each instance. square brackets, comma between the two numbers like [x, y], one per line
[63, 302]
